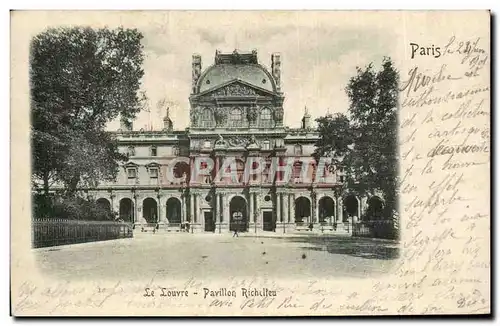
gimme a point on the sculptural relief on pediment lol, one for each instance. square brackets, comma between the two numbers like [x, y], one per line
[235, 90]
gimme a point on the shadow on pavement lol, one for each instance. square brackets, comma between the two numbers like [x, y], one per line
[363, 248]
[346, 245]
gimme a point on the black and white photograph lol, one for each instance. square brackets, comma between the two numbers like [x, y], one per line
[249, 149]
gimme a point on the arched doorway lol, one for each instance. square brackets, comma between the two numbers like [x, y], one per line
[326, 210]
[150, 210]
[238, 214]
[351, 207]
[302, 210]
[127, 210]
[104, 204]
[375, 210]
[174, 211]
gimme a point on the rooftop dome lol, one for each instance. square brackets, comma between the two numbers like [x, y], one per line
[228, 67]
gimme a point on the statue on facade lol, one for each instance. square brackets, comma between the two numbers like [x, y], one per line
[252, 114]
[278, 114]
[220, 116]
[194, 117]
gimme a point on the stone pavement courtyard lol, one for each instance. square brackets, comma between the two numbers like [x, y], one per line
[220, 255]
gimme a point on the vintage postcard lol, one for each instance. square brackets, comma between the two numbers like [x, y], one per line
[250, 163]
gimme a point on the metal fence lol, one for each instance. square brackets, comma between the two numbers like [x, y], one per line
[56, 232]
[384, 229]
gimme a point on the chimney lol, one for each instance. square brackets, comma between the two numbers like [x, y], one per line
[196, 70]
[168, 125]
[306, 119]
[276, 69]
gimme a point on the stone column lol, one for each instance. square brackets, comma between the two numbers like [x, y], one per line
[251, 214]
[316, 205]
[335, 210]
[140, 212]
[115, 205]
[260, 221]
[158, 218]
[191, 208]
[278, 208]
[196, 209]
[255, 210]
[225, 210]
[215, 170]
[286, 210]
[219, 210]
[313, 208]
[162, 209]
[340, 210]
[192, 160]
[224, 213]
[135, 219]
[183, 208]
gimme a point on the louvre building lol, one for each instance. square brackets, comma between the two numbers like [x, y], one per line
[236, 110]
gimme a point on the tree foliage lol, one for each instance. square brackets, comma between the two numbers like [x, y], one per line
[81, 79]
[365, 141]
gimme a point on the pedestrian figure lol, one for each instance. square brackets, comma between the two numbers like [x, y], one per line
[310, 226]
[187, 226]
[237, 217]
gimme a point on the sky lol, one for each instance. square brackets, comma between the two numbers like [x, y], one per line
[318, 58]
[319, 52]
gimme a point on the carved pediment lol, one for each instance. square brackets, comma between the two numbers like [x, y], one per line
[236, 88]
[152, 165]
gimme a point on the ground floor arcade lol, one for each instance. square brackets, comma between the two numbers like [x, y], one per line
[245, 209]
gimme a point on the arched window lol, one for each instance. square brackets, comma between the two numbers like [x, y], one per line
[154, 151]
[236, 118]
[266, 120]
[207, 119]
[297, 171]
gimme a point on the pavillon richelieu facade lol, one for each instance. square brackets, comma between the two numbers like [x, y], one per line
[236, 111]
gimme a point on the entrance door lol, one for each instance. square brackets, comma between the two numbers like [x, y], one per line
[267, 218]
[209, 222]
[238, 214]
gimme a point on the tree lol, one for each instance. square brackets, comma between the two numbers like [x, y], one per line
[81, 79]
[365, 141]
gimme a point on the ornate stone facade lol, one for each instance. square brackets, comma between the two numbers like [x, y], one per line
[236, 110]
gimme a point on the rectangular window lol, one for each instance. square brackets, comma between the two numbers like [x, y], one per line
[153, 173]
[131, 173]
[153, 151]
